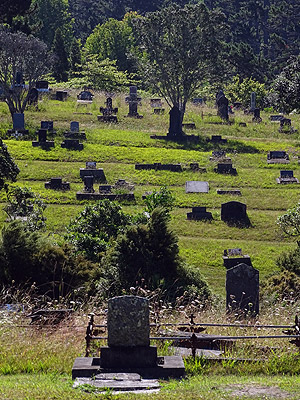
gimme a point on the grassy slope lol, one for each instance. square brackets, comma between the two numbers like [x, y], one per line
[117, 148]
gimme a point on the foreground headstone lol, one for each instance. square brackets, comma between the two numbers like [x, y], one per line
[242, 289]
[92, 170]
[129, 349]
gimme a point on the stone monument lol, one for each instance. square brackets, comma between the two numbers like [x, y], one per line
[242, 289]
[222, 104]
[133, 100]
[235, 213]
[175, 125]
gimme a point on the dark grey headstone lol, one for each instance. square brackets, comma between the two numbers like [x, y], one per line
[286, 174]
[253, 101]
[128, 321]
[74, 126]
[18, 121]
[242, 289]
[234, 212]
[175, 127]
[222, 104]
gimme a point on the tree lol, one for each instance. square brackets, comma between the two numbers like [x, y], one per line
[27, 206]
[290, 222]
[21, 57]
[286, 87]
[75, 58]
[163, 198]
[61, 63]
[93, 229]
[181, 48]
[10, 9]
[8, 169]
[240, 90]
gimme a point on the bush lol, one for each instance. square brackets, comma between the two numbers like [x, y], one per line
[285, 285]
[241, 89]
[290, 261]
[150, 254]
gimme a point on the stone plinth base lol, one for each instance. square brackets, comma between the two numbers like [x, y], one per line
[108, 118]
[234, 261]
[166, 367]
[231, 192]
[43, 145]
[128, 357]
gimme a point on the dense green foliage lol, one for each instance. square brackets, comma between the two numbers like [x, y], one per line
[8, 168]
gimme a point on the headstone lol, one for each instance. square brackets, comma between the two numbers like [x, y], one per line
[74, 126]
[18, 122]
[72, 144]
[88, 184]
[33, 97]
[42, 140]
[47, 125]
[287, 177]
[156, 103]
[278, 157]
[222, 104]
[253, 101]
[234, 192]
[286, 126]
[234, 212]
[85, 95]
[61, 95]
[42, 86]
[198, 101]
[57, 184]
[237, 105]
[217, 139]
[198, 214]
[196, 187]
[256, 115]
[276, 118]
[160, 167]
[109, 113]
[242, 289]
[175, 125]
[92, 170]
[225, 168]
[133, 101]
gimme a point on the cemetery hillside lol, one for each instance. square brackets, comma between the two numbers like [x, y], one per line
[149, 199]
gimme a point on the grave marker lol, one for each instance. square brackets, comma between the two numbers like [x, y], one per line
[196, 187]
[235, 212]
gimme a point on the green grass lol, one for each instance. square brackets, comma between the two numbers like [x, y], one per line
[117, 148]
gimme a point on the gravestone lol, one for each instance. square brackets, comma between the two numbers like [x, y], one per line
[242, 289]
[72, 144]
[57, 184]
[74, 132]
[256, 115]
[128, 349]
[276, 118]
[286, 126]
[85, 95]
[237, 105]
[47, 125]
[61, 95]
[198, 214]
[278, 157]
[133, 101]
[235, 212]
[18, 122]
[197, 101]
[92, 170]
[217, 139]
[225, 168]
[175, 123]
[42, 140]
[233, 192]
[287, 177]
[88, 184]
[159, 167]
[33, 97]
[108, 112]
[196, 187]
[253, 101]
[222, 104]
[42, 86]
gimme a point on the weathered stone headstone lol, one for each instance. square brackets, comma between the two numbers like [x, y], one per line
[196, 187]
[57, 184]
[33, 97]
[47, 125]
[74, 126]
[276, 118]
[233, 257]
[133, 101]
[287, 177]
[198, 101]
[225, 168]
[42, 140]
[88, 184]
[42, 86]
[92, 170]
[85, 95]
[242, 289]
[256, 115]
[72, 144]
[222, 104]
[278, 157]
[234, 212]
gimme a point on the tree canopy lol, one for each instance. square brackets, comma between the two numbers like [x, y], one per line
[180, 49]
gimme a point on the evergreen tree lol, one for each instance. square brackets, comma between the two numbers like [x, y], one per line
[61, 63]
[75, 57]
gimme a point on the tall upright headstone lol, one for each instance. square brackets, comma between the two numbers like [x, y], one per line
[253, 101]
[175, 125]
[222, 104]
[133, 100]
[242, 289]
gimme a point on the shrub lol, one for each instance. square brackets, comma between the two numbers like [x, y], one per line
[290, 261]
[285, 285]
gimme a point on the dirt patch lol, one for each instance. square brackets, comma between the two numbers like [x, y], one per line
[271, 392]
